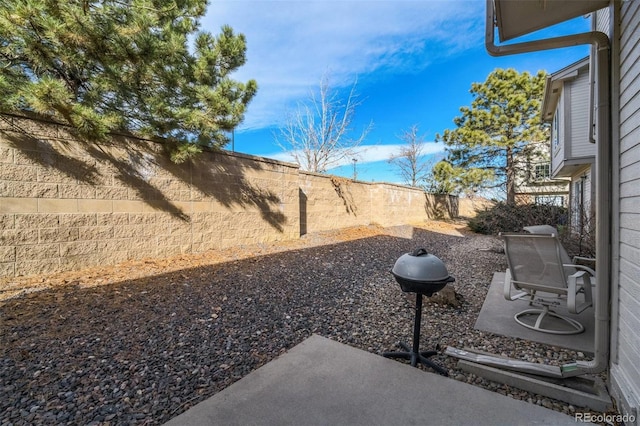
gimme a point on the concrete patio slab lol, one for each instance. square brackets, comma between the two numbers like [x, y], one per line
[496, 316]
[322, 382]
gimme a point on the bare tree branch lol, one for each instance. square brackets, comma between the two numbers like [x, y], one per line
[411, 166]
[318, 135]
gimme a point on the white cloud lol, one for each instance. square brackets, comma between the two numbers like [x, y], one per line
[292, 43]
[368, 153]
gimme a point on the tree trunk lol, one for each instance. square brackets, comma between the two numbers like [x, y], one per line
[510, 172]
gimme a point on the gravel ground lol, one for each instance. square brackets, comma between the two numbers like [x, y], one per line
[143, 342]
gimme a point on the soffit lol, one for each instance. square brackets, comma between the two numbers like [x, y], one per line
[519, 17]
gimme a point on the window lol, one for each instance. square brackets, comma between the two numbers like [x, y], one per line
[541, 171]
[550, 200]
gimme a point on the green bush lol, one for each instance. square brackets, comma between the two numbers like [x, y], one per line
[512, 218]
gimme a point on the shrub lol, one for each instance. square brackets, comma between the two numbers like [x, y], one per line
[580, 238]
[578, 241]
[503, 217]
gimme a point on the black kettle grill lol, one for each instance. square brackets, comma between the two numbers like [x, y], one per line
[423, 274]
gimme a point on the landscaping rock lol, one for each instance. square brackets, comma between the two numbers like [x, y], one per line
[144, 341]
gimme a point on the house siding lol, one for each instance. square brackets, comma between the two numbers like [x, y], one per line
[557, 151]
[532, 189]
[573, 123]
[625, 370]
[586, 208]
[578, 143]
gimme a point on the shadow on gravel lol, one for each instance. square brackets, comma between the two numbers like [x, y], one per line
[145, 350]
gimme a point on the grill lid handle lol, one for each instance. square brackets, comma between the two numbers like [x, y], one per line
[419, 252]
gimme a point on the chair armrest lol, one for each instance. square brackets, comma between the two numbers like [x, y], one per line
[507, 288]
[589, 260]
[572, 285]
[581, 268]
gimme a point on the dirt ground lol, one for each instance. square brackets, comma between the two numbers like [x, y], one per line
[102, 275]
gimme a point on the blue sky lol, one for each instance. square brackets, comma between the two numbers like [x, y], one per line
[414, 62]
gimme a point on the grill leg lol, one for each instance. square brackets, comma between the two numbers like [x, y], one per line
[413, 354]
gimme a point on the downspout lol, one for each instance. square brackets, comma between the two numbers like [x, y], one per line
[592, 83]
[600, 41]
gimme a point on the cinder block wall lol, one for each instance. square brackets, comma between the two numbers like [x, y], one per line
[398, 204]
[329, 202]
[469, 207]
[67, 205]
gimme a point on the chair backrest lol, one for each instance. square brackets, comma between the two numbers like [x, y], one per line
[564, 256]
[535, 261]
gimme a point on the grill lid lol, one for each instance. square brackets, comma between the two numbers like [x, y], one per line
[421, 266]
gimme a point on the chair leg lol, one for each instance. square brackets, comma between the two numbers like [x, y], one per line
[541, 314]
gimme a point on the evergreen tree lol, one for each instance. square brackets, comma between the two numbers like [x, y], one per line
[123, 65]
[502, 125]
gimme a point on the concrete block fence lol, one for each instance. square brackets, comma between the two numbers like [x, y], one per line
[66, 204]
